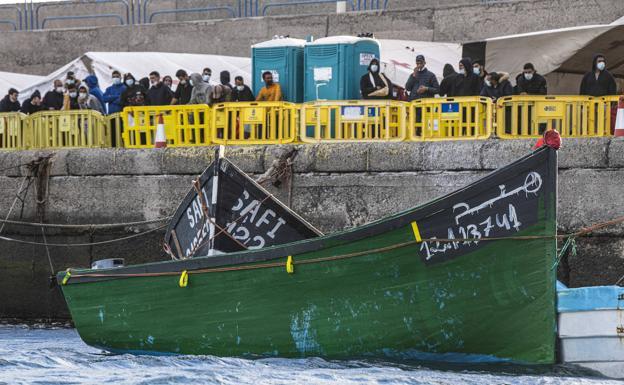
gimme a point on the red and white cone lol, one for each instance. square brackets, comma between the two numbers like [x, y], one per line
[619, 119]
[161, 137]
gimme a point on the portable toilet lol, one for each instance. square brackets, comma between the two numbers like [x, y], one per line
[334, 66]
[284, 58]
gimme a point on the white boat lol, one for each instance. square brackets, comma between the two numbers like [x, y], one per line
[591, 328]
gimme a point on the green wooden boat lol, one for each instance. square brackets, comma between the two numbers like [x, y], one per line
[424, 280]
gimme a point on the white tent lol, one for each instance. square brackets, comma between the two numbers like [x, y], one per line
[562, 55]
[17, 81]
[140, 64]
[398, 57]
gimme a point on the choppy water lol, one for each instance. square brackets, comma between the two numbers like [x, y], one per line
[31, 355]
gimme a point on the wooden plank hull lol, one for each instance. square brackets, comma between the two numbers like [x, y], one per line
[380, 289]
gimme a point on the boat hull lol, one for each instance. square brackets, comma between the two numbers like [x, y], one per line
[374, 290]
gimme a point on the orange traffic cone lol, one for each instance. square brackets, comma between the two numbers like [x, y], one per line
[161, 138]
[619, 119]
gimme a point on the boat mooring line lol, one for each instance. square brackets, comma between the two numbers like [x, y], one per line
[85, 226]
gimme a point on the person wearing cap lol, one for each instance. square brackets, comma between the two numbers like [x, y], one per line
[422, 83]
[10, 103]
[70, 79]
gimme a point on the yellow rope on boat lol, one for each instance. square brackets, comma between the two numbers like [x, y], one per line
[290, 267]
[416, 231]
[183, 279]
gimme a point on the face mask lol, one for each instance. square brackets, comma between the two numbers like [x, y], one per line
[528, 76]
[488, 83]
[462, 71]
[476, 71]
[190, 82]
[182, 82]
[129, 82]
[240, 88]
[59, 90]
[116, 81]
[374, 68]
[70, 81]
[83, 95]
[72, 94]
[206, 78]
[421, 69]
[601, 66]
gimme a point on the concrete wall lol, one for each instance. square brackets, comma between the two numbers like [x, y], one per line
[335, 187]
[41, 52]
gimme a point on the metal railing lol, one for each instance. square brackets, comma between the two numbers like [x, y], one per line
[81, 17]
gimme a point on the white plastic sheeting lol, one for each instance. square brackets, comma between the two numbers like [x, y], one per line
[140, 64]
[17, 81]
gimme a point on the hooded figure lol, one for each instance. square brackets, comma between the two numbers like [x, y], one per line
[599, 81]
[201, 93]
[86, 101]
[224, 76]
[134, 94]
[466, 82]
[374, 84]
[446, 85]
[32, 104]
[94, 88]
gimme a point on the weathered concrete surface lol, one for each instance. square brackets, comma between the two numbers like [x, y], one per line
[334, 187]
[41, 52]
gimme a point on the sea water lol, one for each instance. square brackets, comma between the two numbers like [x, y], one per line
[45, 355]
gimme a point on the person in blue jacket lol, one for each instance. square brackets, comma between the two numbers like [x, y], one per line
[94, 88]
[113, 93]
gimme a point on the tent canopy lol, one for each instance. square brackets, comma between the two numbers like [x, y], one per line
[17, 81]
[562, 55]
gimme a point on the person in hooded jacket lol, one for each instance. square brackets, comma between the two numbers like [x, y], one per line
[374, 84]
[466, 82]
[53, 99]
[201, 92]
[241, 92]
[599, 81]
[112, 95]
[32, 104]
[448, 75]
[92, 84]
[10, 103]
[422, 83]
[224, 77]
[496, 85]
[86, 101]
[134, 94]
[529, 82]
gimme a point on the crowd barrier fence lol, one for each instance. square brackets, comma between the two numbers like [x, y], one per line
[13, 135]
[468, 117]
[353, 120]
[63, 129]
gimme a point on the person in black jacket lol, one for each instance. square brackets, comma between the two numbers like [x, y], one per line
[32, 104]
[10, 103]
[134, 94]
[224, 77]
[466, 82]
[448, 75]
[53, 99]
[422, 83]
[599, 81]
[158, 94]
[374, 84]
[496, 85]
[241, 92]
[529, 82]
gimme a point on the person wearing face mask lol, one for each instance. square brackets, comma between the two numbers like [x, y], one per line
[241, 92]
[32, 104]
[70, 99]
[271, 92]
[112, 95]
[86, 101]
[10, 103]
[496, 85]
[206, 74]
[158, 94]
[134, 94]
[529, 82]
[168, 81]
[374, 84]
[53, 99]
[70, 79]
[479, 70]
[201, 93]
[182, 94]
[466, 82]
[422, 83]
[599, 81]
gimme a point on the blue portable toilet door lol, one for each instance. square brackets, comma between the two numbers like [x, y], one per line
[322, 73]
[274, 61]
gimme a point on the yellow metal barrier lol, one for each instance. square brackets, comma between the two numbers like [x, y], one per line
[255, 123]
[115, 127]
[353, 120]
[13, 134]
[76, 128]
[185, 125]
[606, 110]
[467, 117]
[573, 116]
